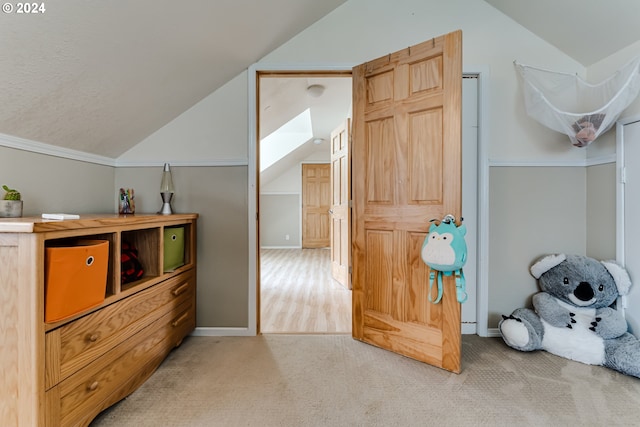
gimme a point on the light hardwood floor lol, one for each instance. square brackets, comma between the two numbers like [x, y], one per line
[298, 294]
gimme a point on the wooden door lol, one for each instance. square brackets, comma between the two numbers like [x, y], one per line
[316, 201]
[340, 204]
[406, 153]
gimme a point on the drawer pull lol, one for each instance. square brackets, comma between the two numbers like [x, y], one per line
[180, 319]
[93, 386]
[93, 338]
[179, 290]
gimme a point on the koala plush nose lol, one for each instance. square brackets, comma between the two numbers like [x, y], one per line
[583, 292]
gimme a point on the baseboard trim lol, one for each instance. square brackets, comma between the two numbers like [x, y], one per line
[493, 332]
[469, 329]
[222, 332]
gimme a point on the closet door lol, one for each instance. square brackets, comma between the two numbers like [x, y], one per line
[316, 202]
[629, 155]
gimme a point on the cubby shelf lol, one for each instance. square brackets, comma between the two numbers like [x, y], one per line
[82, 364]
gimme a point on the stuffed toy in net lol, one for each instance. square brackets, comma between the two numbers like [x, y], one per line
[568, 104]
[572, 316]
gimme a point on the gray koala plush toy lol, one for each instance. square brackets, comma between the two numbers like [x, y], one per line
[572, 316]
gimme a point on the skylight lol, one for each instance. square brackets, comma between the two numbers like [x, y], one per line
[285, 139]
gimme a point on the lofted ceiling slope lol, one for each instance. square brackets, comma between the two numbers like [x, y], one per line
[586, 30]
[100, 76]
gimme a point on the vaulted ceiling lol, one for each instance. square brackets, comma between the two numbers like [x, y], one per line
[586, 30]
[100, 76]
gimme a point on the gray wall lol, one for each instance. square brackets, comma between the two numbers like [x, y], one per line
[279, 217]
[601, 211]
[219, 196]
[533, 211]
[54, 184]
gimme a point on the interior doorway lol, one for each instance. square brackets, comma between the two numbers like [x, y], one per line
[475, 83]
[296, 112]
[316, 205]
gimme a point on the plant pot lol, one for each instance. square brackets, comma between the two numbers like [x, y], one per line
[10, 208]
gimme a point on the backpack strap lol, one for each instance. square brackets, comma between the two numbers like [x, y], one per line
[432, 276]
[460, 286]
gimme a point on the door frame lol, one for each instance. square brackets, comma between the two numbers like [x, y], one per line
[622, 301]
[482, 189]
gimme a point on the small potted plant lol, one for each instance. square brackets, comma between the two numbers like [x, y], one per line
[11, 204]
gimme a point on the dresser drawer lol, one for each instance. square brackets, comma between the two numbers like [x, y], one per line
[108, 379]
[76, 344]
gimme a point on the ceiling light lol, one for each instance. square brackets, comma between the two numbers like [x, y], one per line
[318, 141]
[315, 90]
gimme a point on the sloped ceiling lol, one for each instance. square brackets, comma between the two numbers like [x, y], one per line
[586, 30]
[100, 76]
[283, 98]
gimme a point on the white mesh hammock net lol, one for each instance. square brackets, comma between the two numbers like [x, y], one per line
[566, 103]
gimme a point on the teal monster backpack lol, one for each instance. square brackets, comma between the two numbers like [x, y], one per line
[445, 252]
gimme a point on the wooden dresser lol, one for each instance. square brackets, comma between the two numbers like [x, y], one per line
[64, 373]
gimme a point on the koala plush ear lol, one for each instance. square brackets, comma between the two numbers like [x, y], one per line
[620, 276]
[546, 263]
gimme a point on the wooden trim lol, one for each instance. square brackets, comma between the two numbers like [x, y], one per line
[256, 72]
[302, 74]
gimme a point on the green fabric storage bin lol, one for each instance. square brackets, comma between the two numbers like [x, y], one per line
[173, 248]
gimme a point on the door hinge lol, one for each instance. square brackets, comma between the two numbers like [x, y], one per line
[350, 204]
[623, 175]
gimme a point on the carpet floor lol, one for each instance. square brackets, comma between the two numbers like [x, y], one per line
[333, 380]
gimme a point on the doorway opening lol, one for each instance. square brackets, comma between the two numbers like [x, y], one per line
[296, 112]
[475, 312]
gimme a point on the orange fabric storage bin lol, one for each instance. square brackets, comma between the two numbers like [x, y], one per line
[75, 278]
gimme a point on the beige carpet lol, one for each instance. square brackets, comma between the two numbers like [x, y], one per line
[332, 380]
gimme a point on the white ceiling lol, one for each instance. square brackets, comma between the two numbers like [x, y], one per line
[100, 76]
[586, 30]
[283, 98]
